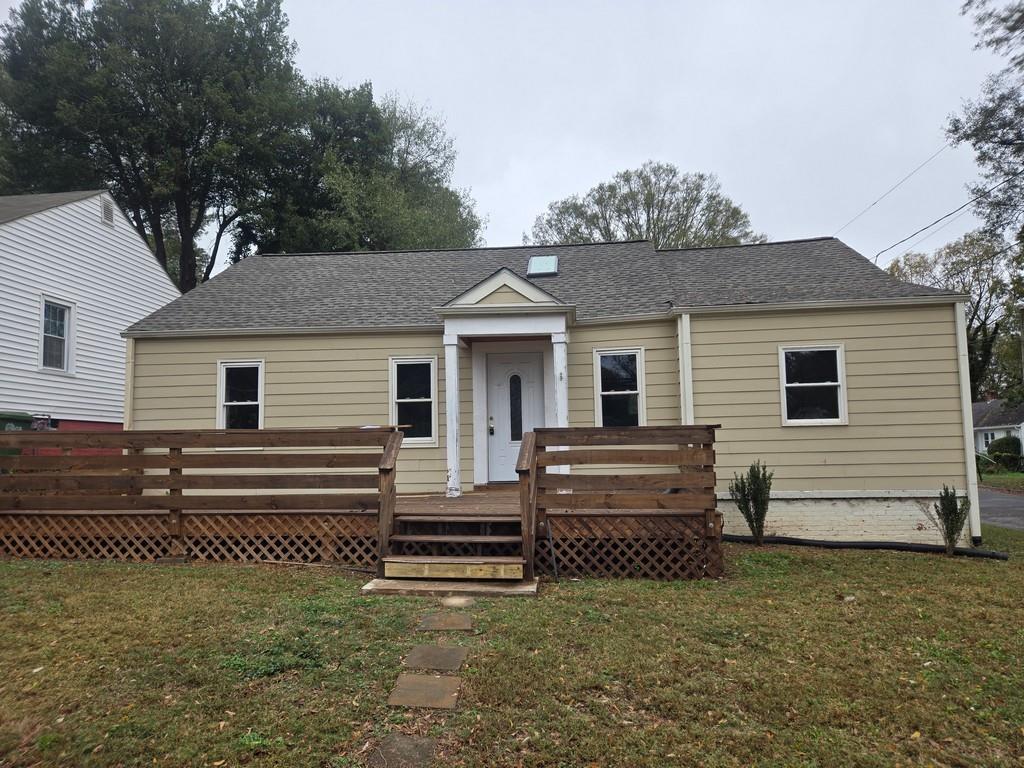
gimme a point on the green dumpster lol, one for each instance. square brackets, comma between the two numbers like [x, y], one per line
[14, 421]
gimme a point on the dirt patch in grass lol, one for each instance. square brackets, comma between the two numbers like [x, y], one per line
[797, 657]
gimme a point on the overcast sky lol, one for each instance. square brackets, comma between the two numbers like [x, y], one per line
[806, 111]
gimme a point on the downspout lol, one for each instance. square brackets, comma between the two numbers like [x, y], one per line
[963, 365]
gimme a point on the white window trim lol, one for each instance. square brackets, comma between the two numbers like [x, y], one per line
[70, 326]
[223, 365]
[841, 368]
[641, 382]
[393, 363]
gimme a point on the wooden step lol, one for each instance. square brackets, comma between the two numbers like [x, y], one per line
[431, 567]
[456, 538]
[458, 518]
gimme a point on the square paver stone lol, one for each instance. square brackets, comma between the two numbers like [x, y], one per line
[425, 691]
[400, 751]
[446, 622]
[443, 658]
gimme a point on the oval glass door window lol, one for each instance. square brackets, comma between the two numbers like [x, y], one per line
[515, 406]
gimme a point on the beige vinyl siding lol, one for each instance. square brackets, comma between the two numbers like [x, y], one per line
[661, 367]
[903, 396]
[504, 295]
[309, 381]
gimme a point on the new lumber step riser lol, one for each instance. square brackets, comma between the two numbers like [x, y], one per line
[504, 571]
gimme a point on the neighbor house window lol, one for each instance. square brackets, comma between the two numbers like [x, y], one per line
[56, 334]
[413, 387]
[619, 385]
[812, 385]
[989, 437]
[240, 395]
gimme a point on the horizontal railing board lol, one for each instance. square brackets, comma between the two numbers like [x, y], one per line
[42, 483]
[194, 460]
[627, 501]
[625, 514]
[237, 438]
[190, 502]
[186, 514]
[681, 457]
[694, 435]
[687, 482]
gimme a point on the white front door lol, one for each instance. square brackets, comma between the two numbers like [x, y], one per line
[515, 405]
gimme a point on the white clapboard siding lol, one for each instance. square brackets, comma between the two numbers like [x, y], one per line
[110, 277]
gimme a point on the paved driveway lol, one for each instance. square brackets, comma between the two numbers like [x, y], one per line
[1005, 509]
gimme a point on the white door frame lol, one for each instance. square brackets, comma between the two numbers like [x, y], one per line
[479, 352]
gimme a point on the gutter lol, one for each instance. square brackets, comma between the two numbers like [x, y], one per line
[911, 301]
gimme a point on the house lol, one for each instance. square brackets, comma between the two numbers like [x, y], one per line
[73, 273]
[850, 385]
[994, 419]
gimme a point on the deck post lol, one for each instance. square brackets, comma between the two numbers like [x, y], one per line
[451, 402]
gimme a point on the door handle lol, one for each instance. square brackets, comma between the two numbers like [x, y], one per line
[490, 425]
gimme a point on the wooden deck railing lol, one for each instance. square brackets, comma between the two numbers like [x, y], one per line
[635, 501]
[295, 495]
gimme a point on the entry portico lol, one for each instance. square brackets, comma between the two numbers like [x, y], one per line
[506, 322]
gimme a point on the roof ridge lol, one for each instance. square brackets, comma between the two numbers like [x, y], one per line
[751, 245]
[455, 250]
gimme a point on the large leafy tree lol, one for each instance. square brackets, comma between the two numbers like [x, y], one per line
[362, 175]
[993, 124]
[989, 270]
[178, 105]
[655, 202]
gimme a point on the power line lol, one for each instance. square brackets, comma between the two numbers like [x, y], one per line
[893, 188]
[934, 232]
[951, 213]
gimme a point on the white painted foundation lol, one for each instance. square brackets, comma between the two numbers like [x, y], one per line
[885, 517]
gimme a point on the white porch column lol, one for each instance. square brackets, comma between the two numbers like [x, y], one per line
[560, 360]
[451, 403]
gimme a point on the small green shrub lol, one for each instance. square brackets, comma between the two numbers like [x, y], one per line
[751, 493]
[1006, 451]
[951, 514]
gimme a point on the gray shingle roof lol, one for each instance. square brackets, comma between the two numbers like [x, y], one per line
[374, 289]
[997, 413]
[18, 206]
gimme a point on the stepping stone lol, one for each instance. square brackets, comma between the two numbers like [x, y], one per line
[400, 751]
[425, 691]
[447, 658]
[446, 622]
[458, 601]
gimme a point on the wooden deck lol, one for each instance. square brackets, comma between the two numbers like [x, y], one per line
[501, 501]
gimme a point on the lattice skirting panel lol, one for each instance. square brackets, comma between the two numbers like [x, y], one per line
[85, 537]
[345, 539]
[295, 538]
[620, 546]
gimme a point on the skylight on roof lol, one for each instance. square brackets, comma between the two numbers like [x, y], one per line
[542, 265]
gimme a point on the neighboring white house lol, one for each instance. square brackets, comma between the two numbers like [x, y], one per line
[73, 273]
[994, 419]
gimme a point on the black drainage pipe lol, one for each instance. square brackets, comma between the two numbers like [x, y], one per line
[895, 546]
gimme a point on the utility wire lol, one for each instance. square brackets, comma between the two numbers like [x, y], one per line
[893, 188]
[951, 213]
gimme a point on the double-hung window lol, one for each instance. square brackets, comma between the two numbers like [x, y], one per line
[989, 437]
[413, 384]
[619, 385]
[813, 385]
[56, 333]
[240, 394]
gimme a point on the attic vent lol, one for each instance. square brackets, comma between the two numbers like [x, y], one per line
[107, 212]
[542, 265]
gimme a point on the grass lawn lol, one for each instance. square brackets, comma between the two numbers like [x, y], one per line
[1012, 481]
[798, 657]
